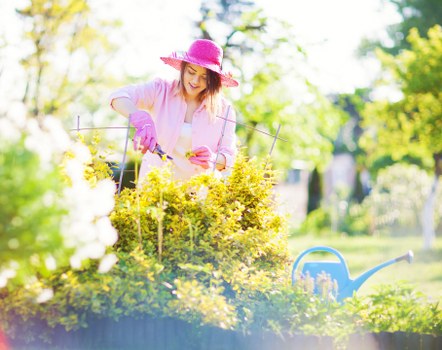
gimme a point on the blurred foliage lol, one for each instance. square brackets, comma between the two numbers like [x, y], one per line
[47, 202]
[393, 206]
[348, 137]
[209, 251]
[66, 60]
[200, 244]
[352, 219]
[418, 14]
[31, 209]
[315, 190]
[269, 96]
[203, 218]
[411, 126]
[397, 199]
[395, 308]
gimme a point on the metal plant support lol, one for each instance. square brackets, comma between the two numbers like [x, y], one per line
[128, 127]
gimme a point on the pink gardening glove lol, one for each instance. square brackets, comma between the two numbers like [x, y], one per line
[145, 137]
[203, 157]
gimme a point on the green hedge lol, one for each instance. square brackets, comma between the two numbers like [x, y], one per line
[210, 251]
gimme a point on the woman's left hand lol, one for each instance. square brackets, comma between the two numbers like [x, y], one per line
[203, 157]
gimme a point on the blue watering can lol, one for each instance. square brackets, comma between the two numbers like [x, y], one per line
[338, 270]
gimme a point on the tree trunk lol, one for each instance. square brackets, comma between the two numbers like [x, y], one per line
[427, 216]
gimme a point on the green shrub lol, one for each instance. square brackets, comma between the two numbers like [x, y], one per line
[213, 237]
[393, 308]
[397, 198]
[48, 216]
[317, 222]
[205, 220]
[356, 220]
[209, 251]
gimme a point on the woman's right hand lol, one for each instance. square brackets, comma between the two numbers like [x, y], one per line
[145, 137]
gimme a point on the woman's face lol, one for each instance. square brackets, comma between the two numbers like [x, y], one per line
[195, 80]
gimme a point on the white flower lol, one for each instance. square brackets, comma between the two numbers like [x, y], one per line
[58, 136]
[7, 273]
[107, 234]
[107, 262]
[74, 169]
[103, 197]
[9, 132]
[81, 152]
[37, 142]
[92, 250]
[75, 261]
[45, 295]
[50, 263]
[17, 113]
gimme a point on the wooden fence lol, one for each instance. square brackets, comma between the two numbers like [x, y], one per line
[172, 334]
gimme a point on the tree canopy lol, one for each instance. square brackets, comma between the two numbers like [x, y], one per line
[410, 127]
[274, 92]
[419, 14]
[66, 55]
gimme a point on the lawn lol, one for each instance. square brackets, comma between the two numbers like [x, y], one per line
[363, 253]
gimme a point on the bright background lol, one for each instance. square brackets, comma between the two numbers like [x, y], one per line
[329, 31]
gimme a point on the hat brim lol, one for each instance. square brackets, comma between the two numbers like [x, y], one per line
[175, 62]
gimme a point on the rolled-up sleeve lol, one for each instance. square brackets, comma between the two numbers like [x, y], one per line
[142, 95]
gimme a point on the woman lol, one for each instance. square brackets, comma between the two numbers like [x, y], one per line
[188, 117]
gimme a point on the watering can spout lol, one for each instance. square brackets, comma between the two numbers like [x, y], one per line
[354, 286]
[338, 271]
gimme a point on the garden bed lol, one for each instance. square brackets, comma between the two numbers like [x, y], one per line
[173, 334]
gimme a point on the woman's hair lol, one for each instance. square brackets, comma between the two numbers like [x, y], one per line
[211, 93]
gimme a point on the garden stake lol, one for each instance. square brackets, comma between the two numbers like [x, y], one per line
[274, 139]
[123, 162]
[273, 145]
[251, 127]
[221, 140]
[161, 153]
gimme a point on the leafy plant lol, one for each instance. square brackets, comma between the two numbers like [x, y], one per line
[397, 198]
[48, 211]
[396, 307]
[205, 220]
[209, 251]
[200, 244]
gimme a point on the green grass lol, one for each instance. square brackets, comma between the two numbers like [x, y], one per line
[364, 253]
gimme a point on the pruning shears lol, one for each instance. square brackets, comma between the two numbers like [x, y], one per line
[157, 150]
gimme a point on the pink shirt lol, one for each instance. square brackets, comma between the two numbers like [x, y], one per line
[168, 108]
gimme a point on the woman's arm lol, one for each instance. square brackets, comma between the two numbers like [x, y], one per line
[145, 137]
[124, 106]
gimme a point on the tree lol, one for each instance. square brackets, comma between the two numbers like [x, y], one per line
[420, 14]
[264, 53]
[347, 140]
[66, 56]
[411, 127]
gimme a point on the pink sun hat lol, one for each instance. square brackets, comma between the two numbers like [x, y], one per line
[204, 53]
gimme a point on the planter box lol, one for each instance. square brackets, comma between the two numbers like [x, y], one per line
[169, 334]
[172, 334]
[394, 341]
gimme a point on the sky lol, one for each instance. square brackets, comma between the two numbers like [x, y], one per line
[329, 31]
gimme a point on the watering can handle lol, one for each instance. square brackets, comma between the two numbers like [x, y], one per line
[312, 250]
